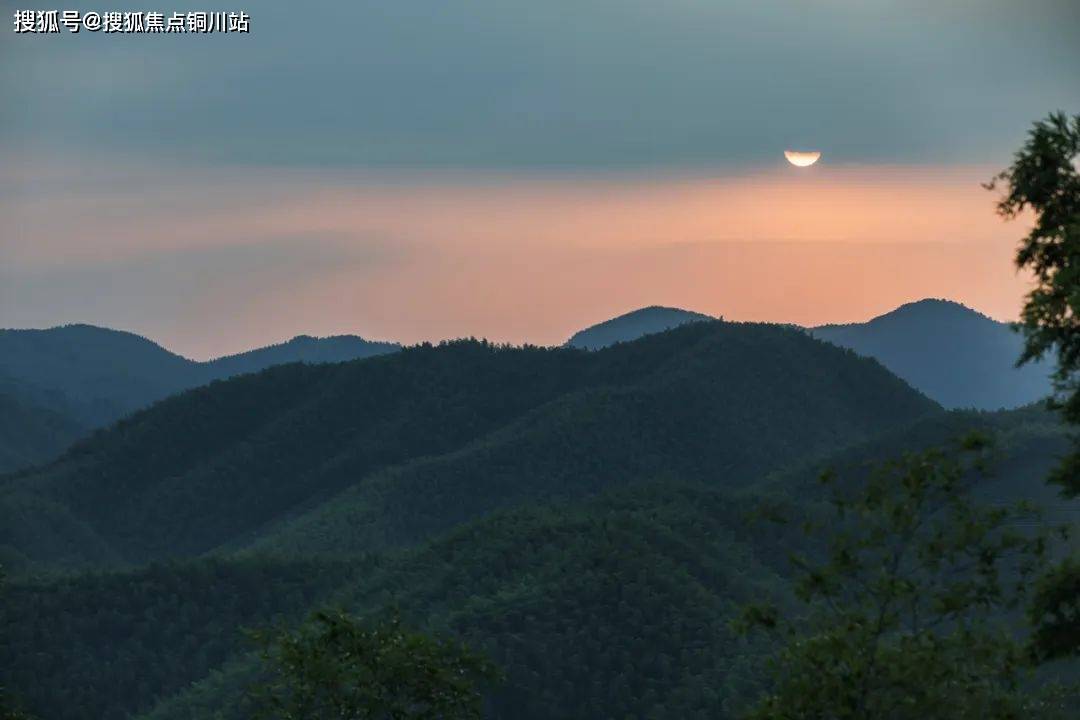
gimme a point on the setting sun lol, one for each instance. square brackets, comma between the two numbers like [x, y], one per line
[800, 158]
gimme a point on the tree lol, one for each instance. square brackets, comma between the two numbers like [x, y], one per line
[1045, 180]
[904, 612]
[337, 667]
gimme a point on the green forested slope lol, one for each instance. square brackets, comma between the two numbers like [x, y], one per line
[224, 464]
[613, 607]
[31, 432]
[621, 603]
[1027, 443]
[105, 645]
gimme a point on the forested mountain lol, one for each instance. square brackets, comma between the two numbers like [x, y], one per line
[431, 436]
[633, 325]
[31, 432]
[601, 609]
[302, 348]
[955, 355]
[1027, 443]
[138, 636]
[584, 518]
[85, 377]
[952, 354]
[611, 607]
[99, 374]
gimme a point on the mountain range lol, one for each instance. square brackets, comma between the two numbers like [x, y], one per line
[951, 353]
[394, 447]
[581, 516]
[65, 381]
[58, 385]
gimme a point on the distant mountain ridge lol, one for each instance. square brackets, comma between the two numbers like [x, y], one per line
[633, 325]
[302, 348]
[68, 380]
[78, 377]
[956, 355]
[105, 374]
[953, 354]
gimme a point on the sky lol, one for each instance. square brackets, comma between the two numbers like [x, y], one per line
[422, 169]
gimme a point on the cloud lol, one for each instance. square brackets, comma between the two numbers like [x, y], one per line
[588, 83]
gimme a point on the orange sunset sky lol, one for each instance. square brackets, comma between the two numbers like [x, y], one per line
[439, 255]
[517, 170]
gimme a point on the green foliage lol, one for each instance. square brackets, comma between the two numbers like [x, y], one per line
[907, 610]
[1045, 180]
[107, 645]
[1055, 612]
[615, 606]
[337, 667]
[611, 607]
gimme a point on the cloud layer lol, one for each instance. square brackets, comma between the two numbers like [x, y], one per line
[583, 83]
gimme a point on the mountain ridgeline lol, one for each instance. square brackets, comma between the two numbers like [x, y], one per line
[58, 385]
[955, 355]
[633, 325]
[951, 353]
[396, 447]
[65, 381]
[579, 516]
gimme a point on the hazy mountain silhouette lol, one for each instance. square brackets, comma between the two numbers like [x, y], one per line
[302, 348]
[99, 374]
[951, 353]
[633, 325]
[432, 436]
[93, 376]
[954, 354]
